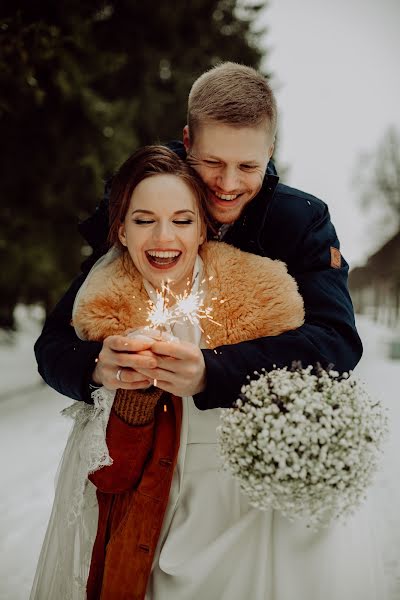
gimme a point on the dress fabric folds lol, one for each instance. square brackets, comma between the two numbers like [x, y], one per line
[214, 545]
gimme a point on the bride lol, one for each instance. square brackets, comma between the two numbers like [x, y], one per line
[142, 509]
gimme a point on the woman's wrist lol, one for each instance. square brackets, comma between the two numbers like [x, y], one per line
[136, 407]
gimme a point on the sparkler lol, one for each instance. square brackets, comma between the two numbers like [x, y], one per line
[188, 306]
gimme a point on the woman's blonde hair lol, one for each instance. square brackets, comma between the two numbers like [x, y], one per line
[232, 94]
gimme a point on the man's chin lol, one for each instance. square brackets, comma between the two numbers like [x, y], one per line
[224, 215]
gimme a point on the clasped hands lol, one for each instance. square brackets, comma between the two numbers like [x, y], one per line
[178, 367]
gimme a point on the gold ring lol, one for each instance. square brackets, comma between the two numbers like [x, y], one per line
[119, 374]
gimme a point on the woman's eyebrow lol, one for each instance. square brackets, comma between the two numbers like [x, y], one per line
[150, 212]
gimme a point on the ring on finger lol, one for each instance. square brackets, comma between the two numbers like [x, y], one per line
[118, 375]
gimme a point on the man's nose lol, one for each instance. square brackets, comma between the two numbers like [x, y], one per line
[229, 180]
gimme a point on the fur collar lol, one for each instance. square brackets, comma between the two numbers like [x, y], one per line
[259, 298]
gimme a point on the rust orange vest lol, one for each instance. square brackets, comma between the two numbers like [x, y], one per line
[133, 495]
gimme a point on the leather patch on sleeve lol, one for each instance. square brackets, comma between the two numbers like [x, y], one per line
[336, 259]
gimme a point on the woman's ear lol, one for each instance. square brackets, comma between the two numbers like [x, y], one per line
[203, 234]
[122, 235]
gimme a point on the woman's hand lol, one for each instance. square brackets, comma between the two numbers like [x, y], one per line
[180, 368]
[122, 356]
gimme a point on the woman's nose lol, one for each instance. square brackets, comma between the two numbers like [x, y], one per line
[163, 232]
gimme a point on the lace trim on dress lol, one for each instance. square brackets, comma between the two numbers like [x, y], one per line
[65, 557]
[92, 447]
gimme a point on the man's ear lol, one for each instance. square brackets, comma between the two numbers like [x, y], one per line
[271, 149]
[186, 138]
[122, 235]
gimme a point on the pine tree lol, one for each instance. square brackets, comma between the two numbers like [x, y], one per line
[83, 85]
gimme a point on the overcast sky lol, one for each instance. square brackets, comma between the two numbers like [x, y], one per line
[336, 66]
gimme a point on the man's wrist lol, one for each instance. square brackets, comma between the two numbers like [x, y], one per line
[94, 379]
[202, 386]
[94, 386]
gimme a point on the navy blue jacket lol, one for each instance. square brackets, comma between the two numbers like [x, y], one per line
[281, 223]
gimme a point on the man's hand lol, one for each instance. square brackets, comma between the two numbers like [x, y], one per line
[125, 356]
[180, 368]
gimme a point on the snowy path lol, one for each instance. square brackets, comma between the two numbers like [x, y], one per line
[33, 435]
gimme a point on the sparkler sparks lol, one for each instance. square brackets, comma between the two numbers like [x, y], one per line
[188, 306]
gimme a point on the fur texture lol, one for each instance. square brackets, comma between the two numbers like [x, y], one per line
[255, 297]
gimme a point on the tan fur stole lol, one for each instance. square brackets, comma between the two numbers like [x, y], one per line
[259, 298]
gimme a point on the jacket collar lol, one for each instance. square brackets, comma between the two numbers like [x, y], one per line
[245, 233]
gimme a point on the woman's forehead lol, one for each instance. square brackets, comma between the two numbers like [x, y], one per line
[164, 192]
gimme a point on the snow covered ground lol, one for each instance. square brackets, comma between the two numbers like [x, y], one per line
[33, 435]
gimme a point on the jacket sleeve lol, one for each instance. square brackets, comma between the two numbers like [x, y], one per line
[328, 337]
[64, 361]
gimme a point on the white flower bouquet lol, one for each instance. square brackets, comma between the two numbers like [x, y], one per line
[304, 443]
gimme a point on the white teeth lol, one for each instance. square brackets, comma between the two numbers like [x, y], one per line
[163, 254]
[226, 196]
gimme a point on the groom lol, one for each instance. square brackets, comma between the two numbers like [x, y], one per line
[229, 139]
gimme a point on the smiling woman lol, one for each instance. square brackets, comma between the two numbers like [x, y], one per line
[123, 465]
[162, 238]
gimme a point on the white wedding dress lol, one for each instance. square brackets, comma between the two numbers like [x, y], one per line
[213, 544]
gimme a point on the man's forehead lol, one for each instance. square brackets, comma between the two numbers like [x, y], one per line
[233, 154]
[226, 142]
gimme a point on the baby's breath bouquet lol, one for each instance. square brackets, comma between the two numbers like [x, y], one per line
[303, 442]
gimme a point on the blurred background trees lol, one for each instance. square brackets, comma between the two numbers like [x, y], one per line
[83, 85]
[378, 179]
[376, 286]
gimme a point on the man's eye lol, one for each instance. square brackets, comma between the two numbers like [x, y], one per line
[248, 167]
[143, 221]
[183, 222]
[211, 163]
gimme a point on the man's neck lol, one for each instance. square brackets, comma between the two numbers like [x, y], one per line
[220, 230]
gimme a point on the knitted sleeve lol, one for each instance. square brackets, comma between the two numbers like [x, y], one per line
[136, 407]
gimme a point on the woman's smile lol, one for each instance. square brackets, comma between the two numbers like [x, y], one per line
[163, 259]
[162, 231]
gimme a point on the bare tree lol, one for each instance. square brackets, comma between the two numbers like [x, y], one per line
[378, 178]
[376, 286]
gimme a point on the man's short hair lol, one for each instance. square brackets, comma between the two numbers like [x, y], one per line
[232, 94]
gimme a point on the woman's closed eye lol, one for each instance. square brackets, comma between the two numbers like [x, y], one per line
[183, 221]
[176, 221]
[143, 221]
